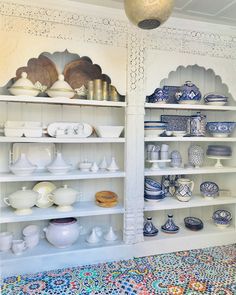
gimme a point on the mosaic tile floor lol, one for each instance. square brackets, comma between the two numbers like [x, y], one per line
[195, 272]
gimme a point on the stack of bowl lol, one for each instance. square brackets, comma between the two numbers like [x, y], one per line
[153, 190]
[154, 128]
[215, 99]
[219, 151]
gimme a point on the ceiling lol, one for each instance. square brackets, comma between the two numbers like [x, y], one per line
[216, 11]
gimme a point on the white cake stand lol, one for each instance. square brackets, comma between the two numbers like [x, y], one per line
[155, 163]
[218, 160]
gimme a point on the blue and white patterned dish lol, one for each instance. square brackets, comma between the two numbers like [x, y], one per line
[175, 122]
[220, 129]
[159, 96]
[152, 184]
[209, 189]
[189, 93]
[170, 227]
[149, 229]
[171, 90]
[193, 223]
[222, 216]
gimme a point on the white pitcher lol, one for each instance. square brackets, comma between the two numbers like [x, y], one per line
[184, 189]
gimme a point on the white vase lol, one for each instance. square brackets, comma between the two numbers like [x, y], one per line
[93, 238]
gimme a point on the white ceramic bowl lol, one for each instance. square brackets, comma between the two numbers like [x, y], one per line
[23, 91]
[60, 93]
[22, 171]
[59, 170]
[85, 166]
[153, 132]
[109, 131]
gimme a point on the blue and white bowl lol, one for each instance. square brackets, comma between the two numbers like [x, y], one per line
[157, 198]
[209, 190]
[220, 129]
[215, 99]
[222, 218]
[152, 184]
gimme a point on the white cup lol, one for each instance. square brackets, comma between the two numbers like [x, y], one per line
[155, 155]
[164, 148]
[5, 241]
[18, 246]
[31, 241]
[164, 155]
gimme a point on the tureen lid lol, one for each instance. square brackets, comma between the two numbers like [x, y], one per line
[58, 162]
[22, 162]
[24, 193]
[23, 82]
[64, 190]
[61, 85]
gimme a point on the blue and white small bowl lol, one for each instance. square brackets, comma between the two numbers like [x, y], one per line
[209, 190]
[152, 184]
[220, 129]
[222, 218]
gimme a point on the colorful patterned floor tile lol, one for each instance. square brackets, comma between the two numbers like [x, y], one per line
[196, 272]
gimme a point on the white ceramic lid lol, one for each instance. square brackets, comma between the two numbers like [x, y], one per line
[61, 85]
[23, 82]
[63, 191]
[22, 163]
[58, 162]
[24, 193]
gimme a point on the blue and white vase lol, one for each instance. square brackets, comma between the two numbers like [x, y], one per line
[170, 227]
[149, 229]
[196, 155]
[184, 190]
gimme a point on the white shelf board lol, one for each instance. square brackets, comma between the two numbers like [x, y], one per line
[209, 228]
[62, 140]
[189, 139]
[196, 201]
[73, 175]
[61, 101]
[44, 249]
[80, 209]
[189, 107]
[186, 171]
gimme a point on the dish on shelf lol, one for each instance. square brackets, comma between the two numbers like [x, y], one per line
[152, 184]
[170, 227]
[58, 165]
[39, 154]
[158, 96]
[64, 197]
[85, 166]
[176, 122]
[179, 133]
[220, 129]
[22, 166]
[215, 99]
[171, 91]
[23, 86]
[209, 190]
[222, 218]
[154, 198]
[106, 199]
[23, 128]
[157, 164]
[69, 129]
[188, 94]
[149, 229]
[61, 88]
[193, 223]
[109, 131]
[44, 189]
[22, 200]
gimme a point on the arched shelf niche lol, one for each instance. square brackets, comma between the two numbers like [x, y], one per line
[205, 79]
[47, 66]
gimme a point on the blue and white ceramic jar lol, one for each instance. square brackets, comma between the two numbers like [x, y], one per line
[188, 94]
[149, 229]
[170, 227]
[196, 155]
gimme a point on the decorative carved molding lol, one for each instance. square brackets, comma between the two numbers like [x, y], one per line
[51, 23]
[193, 42]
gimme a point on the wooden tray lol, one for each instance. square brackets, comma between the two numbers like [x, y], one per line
[40, 69]
[78, 72]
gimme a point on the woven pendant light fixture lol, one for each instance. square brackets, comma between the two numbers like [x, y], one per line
[148, 14]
